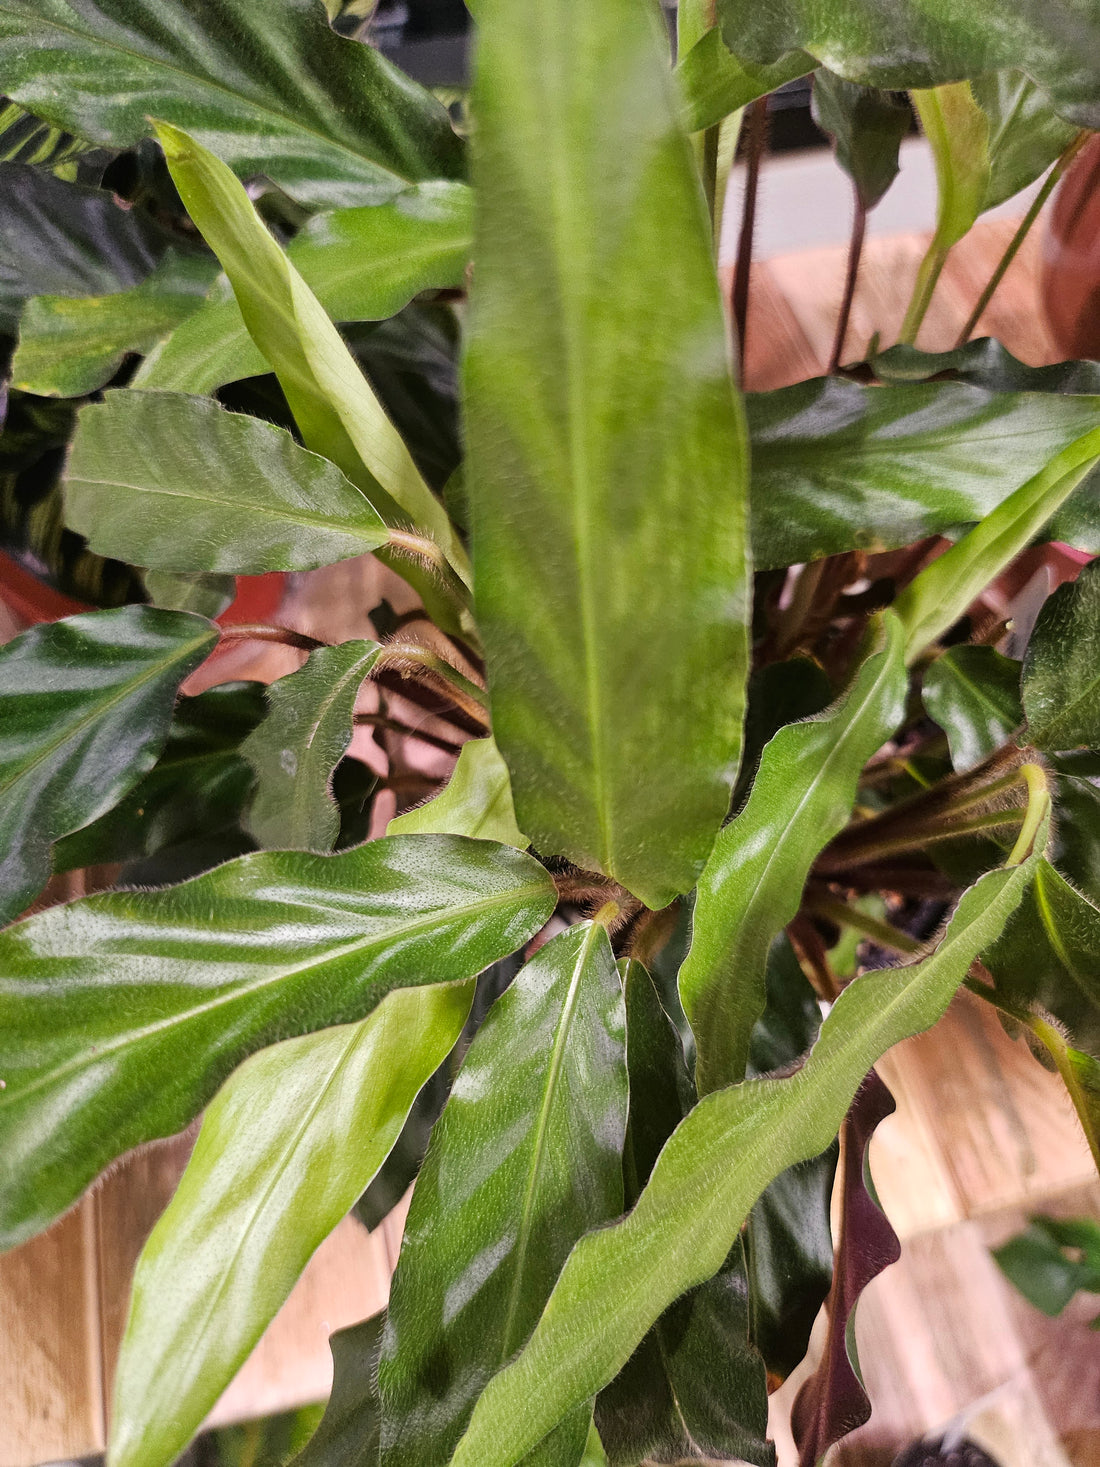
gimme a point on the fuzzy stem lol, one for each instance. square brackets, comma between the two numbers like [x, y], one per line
[855, 253]
[257, 632]
[411, 660]
[923, 290]
[755, 142]
[881, 932]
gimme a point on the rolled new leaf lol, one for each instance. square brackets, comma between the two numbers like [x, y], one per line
[752, 884]
[331, 121]
[419, 241]
[120, 1015]
[202, 489]
[619, 1279]
[86, 705]
[271, 1175]
[606, 465]
[295, 750]
[534, 1130]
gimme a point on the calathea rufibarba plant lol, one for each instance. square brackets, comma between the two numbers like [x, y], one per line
[739, 722]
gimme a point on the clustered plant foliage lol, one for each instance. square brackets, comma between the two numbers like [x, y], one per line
[744, 715]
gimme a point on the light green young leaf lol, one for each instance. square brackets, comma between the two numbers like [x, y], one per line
[973, 693]
[297, 747]
[332, 402]
[271, 1175]
[526, 1157]
[606, 469]
[275, 91]
[202, 489]
[1061, 680]
[752, 885]
[121, 1014]
[85, 707]
[958, 133]
[476, 800]
[620, 1278]
[362, 265]
[1026, 135]
[69, 347]
[941, 593]
[714, 83]
[207, 593]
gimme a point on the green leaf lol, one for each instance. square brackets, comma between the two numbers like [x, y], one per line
[204, 592]
[752, 884]
[694, 1389]
[1026, 135]
[60, 238]
[606, 476]
[296, 748]
[921, 43]
[714, 83]
[271, 1175]
[348, 1435]
[958, 132]
[1052, 1260]
[524, 1159]
[202, 489]
[85, 705]
[121, 1014]
[197, 787]
[619, 1279]
[985, 363]
[973, 693]
[1049, 957]
[867, 126]
[362, 264]
[1061, 680]
[838, 467]
[476, 800]
[333, 404]
[788, 1236]
[331, 121]
[941, 593]
[69, 348]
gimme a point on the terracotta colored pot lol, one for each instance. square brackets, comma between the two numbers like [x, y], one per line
[1071, 258]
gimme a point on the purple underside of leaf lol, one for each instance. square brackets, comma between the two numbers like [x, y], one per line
[833, 1402]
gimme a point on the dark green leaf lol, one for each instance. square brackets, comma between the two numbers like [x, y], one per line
[197, 787]
[1049, 956]
[789, 1242]
[271, 1175]
[752, 884]
[60, 238]
[833, 1402]
[935, 599]
[984, 362]
[1061, 681]
[839, 467]
[68, 348]
[1025, 133]
[922, 43]
[694, 1390]
[714, 83]
[867, 126]
[121, 1014]
[525, 1158]
[296, 748]
[619, 1279]
[362, 264]
[202, 489]
[349, 1433]
[1052, 1260]
[280, 94]
[606, 453]
[476, 800]
[85, 705]
[973, 693]
[27, 139]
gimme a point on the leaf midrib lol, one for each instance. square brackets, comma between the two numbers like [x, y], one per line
[10, 1098]
[88, 38]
